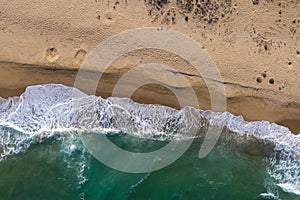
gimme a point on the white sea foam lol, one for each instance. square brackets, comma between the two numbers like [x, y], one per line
[45, 109]
[290, 188]
[53, 108]
[268, 196]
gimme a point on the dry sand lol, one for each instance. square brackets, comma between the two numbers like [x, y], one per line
[250, 41]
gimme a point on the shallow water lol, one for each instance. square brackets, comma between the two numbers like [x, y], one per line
[54, 170]
[42, 155]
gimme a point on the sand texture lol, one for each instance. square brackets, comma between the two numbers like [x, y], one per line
[255, 44]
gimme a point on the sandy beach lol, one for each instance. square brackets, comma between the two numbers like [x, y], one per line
[254, 44]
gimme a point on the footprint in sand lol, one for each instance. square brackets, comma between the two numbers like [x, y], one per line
[52, 54]
[79, 56]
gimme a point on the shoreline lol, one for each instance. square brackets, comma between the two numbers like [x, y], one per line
[250, 107]
[254, 46]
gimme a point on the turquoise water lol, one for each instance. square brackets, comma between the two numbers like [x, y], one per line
[61, 168]
[42, 155]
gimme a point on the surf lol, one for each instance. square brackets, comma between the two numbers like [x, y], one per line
[58, 111]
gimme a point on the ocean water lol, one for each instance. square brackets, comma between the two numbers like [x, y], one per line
[43, 155]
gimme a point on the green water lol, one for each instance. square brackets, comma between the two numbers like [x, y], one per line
[50, 170]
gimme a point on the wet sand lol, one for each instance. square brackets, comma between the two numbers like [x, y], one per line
[18, 77]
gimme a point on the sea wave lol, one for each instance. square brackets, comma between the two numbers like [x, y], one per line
[45, 110]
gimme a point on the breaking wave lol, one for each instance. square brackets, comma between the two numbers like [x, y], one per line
[47, 110]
